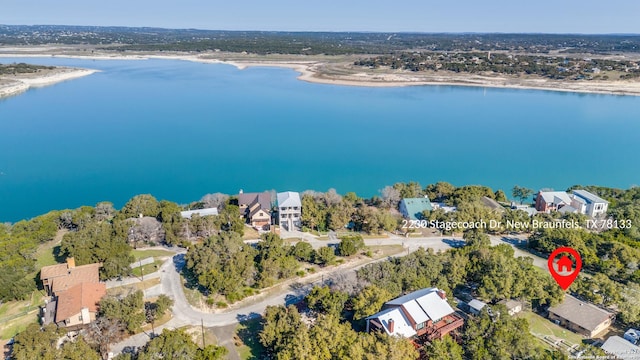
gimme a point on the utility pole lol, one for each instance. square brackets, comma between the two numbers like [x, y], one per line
[202, 326]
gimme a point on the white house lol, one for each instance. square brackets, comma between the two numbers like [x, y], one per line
[595, 206]
[289, 209]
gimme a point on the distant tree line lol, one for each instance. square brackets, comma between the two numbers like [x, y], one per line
[552, 67]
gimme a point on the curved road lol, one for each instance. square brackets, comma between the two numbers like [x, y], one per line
[184, 314]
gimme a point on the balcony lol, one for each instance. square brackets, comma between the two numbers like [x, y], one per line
[442, 327]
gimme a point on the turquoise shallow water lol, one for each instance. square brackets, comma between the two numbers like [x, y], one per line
[179, 130]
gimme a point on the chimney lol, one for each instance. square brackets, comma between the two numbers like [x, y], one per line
[390, 326]
[71, 263]
[442, 294]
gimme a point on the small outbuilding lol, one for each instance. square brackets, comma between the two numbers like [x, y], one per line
[513, 306]
[476, 306]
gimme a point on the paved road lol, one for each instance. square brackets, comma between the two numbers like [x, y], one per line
[184, 314]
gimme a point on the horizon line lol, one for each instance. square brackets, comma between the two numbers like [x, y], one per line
[337, 31]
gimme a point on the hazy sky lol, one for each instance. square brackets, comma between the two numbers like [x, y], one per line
[550, 16]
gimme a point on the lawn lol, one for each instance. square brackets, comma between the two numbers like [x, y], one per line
[146, 269]
[541, 326]
[141, 254]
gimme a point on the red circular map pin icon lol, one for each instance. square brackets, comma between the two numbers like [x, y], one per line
[563, 271]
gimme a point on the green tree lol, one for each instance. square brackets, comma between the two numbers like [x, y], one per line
[325, 256]
[521, 193]
[302, 251]
[37, 343]
[445, 348]
[350, 245]
[145, 205]
[369, 301]
[129, 310]
[325, 300]
[171, 344]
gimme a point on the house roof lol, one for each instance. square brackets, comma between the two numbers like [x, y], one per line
[416, 206]
[621, 348]
[589, 197]
[80, 274]
[52, 271]
[263, 198]
[568, 209]
[201, 212]
[586, 315]
[492, 204]
[555, 197]
[430, 304]
[289, 199]
[477, 304]
[73, 300]
[401, 324]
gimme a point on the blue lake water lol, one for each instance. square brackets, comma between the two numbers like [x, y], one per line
[179, 130]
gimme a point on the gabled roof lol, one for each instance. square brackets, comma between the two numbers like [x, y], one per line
[52, 271]
[477, 304]
[416, 206]
[555, 197]
[401, 324]
[430, 305]
[586, 315]
[589, 197]
[89, 273]
[289, 199]
[621, 348]
[201, 212]
[263, 198]
[73, 300]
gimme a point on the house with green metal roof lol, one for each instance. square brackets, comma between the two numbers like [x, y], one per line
[412, 208]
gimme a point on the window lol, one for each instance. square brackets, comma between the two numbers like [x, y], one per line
[420, 326]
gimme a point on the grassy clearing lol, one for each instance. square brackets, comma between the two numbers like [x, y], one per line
[541, 326]
[141, 254]
[10, 328]
[246, 340]
[250, 233]
[128, 289]
[384, 250]
[146, 269]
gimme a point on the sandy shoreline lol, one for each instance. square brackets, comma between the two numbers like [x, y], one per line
[316, 71]
[15, 84]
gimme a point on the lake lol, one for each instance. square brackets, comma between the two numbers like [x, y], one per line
[179, 130]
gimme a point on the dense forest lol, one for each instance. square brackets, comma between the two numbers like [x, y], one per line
[329, 43]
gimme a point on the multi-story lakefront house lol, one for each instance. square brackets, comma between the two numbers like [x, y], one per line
[255, 208]
[289, 210]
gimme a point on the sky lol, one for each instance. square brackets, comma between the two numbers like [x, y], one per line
[539, 16]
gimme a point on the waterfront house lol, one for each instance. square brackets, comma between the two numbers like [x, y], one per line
[423, 315]
[289, 210]
[579, 202]
[594, 206]
[255, 208]
[581, 317]
[412, 208]
[548, 201]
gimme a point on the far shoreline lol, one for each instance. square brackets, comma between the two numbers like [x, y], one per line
[312, 71]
